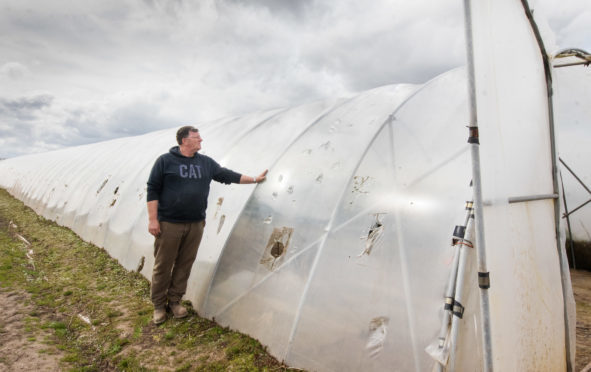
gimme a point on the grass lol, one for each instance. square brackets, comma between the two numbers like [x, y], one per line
[99, 314]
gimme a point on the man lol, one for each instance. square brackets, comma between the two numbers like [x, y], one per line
[177, 198]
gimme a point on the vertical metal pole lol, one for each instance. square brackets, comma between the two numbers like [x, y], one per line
[448, 307]
[570, 234]
[458, 307]
[564, 273]
[451, 289]
[483, 275]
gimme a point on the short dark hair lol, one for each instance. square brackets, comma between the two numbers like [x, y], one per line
[183, 132]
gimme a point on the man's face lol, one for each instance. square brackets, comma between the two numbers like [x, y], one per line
[193, 141]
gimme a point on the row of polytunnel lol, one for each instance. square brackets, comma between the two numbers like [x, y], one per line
[340, 259]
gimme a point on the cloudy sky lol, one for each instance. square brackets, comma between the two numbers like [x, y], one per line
[75, 72]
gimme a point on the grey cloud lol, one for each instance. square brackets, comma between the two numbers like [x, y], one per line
[133, 118]
[16, 128]
[104, 62]
[364, 49]
[13, 70]
[284, 9]
[24, 108]
[295, 10]
[63, 28]
[62, 38]
[138, 118]
[381, 56]
[40, 123]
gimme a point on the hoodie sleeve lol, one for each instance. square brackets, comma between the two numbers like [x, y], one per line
[224, 175]
[155, 180]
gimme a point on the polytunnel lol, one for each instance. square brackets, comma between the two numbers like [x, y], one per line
[342, 259]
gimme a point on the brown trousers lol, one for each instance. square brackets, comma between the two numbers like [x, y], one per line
[174, 253]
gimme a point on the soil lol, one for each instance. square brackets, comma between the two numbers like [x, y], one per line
[24, 348]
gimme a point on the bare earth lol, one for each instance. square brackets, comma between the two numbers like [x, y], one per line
[24, 347]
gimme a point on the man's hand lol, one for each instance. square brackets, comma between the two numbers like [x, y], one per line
[258, 179]
[261, 177]
[154, 227]
[153, 223]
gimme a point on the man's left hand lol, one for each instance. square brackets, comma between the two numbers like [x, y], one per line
[261, 177]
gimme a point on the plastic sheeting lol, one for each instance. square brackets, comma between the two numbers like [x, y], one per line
[334, 284]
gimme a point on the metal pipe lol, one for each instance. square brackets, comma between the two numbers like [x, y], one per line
[481, 259]
[521, 199]
[564, 273]
[458, 309]
[477, 187]
[566, 214]
[449, 296]
[450, 291]
[575, 175]
[570, 234]
[573, 64]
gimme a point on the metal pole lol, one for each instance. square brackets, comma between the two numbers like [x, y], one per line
[575, 175]
[586, 63]
[564, 273]
[483, 275]
[523, 199]
[441, 353]
[449, 297]
[458, 307]
[570, 235]
[567, 214]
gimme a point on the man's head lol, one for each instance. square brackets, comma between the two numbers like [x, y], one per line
[189, 140]
[184, 132]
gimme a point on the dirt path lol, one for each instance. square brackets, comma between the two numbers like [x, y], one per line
[23, 347]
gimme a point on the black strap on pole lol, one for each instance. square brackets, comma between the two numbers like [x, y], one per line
[473, 135]
[458, 234]
[458, 310]
[484, 280]
[449, 303]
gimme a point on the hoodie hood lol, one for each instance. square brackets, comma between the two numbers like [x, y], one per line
[176, 151]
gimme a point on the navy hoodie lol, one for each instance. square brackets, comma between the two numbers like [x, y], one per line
[181, 185]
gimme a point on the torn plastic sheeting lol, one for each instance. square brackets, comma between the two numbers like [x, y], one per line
[276, 247]
[374, 235]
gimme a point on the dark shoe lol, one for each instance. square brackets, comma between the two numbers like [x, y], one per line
[159, 315]
[178, 310]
